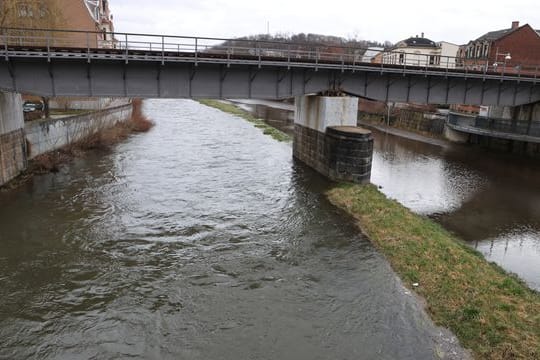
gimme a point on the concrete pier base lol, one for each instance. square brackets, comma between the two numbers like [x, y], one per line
[12, 140]
[327, 139]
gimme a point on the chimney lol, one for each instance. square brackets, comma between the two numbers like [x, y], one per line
[422, 34]
[515, 24]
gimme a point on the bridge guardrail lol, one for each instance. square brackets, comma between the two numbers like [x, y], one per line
[52, 43]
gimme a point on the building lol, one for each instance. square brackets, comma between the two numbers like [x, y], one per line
[84, 15]
[515, 49]
[414, 51]
[421, 51]
[371, 53]
[449, 53]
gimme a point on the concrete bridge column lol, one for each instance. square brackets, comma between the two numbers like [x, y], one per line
[12, 140]
[327, 139]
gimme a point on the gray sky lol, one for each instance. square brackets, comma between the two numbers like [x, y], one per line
[455, 21]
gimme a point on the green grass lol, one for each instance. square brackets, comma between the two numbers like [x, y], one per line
[492, 313]
[258, 123]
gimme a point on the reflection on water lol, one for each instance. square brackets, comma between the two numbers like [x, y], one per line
[520, 247]
[491, 200]
[199, 240]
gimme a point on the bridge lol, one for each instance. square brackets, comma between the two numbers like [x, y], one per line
[76, 63]
[71, 63]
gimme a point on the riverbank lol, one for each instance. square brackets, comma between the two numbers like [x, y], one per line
[51, 161]
[492, 313]
[258, 123]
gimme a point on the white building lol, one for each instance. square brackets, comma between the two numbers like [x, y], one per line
[420, 51]
[449, 52]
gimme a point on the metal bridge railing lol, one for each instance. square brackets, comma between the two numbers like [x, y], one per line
[129, 46]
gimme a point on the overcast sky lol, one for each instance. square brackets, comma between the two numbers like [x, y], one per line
[456, 21]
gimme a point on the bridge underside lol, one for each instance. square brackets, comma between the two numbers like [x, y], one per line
[148, 79]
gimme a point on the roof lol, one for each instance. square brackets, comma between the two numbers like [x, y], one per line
[494, 35]
[419, 42]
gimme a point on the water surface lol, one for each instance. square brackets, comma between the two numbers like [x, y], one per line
[201, 239]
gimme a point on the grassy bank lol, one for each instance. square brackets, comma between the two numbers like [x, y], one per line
[492, 313]
[258, 123]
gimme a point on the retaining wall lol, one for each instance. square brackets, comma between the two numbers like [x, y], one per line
[408, 119]
[51, 134]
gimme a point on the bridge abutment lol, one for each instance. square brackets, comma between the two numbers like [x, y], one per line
[12, 140]
[327, 139]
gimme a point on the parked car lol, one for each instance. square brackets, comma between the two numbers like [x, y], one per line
[30, 106]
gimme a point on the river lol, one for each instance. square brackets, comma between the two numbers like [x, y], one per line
[490, 200]
[201, 239]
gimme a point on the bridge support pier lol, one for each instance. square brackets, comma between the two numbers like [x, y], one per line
[12, 141]
[327, 139]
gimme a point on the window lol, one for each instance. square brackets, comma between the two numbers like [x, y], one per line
[401, 58]
[43, 11]
[431, 60]
[24, 10]
[104, 34]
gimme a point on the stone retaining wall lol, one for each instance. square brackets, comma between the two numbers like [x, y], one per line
[12, 155]
[409, 120]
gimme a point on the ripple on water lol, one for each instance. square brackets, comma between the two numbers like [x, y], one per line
[201, 239]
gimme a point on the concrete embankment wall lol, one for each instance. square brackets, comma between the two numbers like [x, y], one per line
[12, 142]
[84, 103]
[51, 134]
[408, 120]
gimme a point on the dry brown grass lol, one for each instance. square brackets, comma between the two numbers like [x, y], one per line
[139, 122]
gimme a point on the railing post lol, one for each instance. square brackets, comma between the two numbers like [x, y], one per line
[88, 46]
[48, 46]
[5, 44]
[162, 50]
[259, 51]
[127, 51]
[288, 56]
[196, 51]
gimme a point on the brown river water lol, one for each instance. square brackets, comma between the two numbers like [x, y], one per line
[202, 239]
[489, 199]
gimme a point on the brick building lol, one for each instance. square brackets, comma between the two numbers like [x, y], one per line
[516, 49]
[83, 15]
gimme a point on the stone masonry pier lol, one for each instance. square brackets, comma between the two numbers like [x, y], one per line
[327, 139]
[12, 140]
